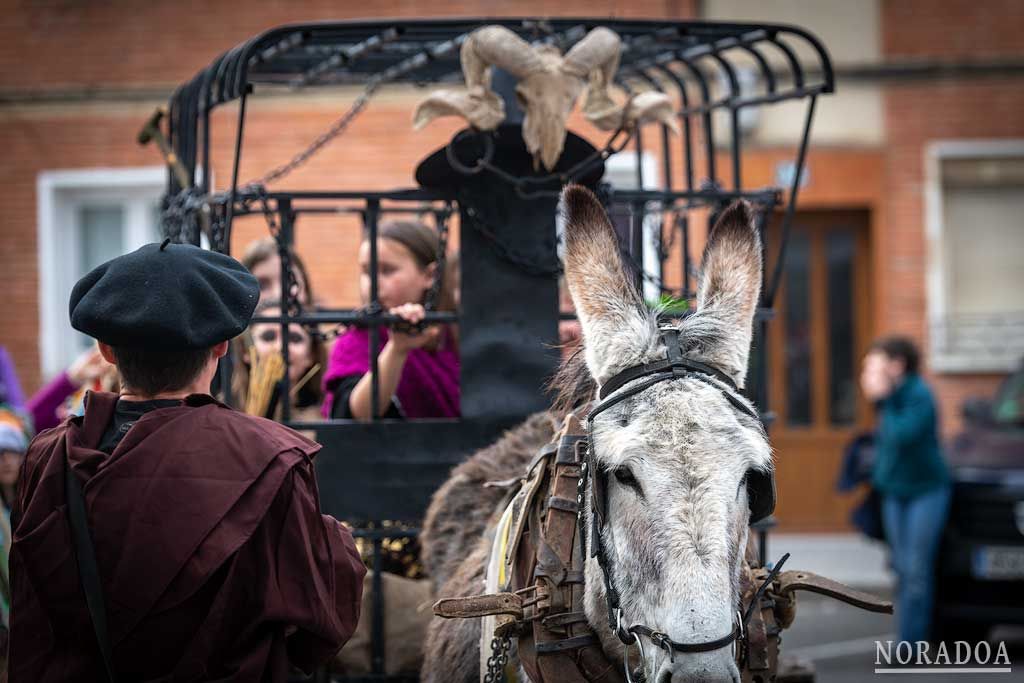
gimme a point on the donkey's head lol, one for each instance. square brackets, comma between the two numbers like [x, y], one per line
[674, 457]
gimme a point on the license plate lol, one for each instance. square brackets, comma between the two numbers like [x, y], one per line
[996, 563]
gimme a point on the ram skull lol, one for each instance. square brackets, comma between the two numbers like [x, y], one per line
[548, 86]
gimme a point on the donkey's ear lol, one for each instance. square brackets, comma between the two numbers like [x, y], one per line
[729, 288]
[617, 328]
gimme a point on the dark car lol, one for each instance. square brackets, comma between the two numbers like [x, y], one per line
[981, 563]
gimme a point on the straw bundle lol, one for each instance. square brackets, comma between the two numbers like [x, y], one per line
[265, 373]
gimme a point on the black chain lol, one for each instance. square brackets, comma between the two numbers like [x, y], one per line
[179, 219]
[431, 300]
[477, 221]
[388, 75]
[336, 129]
[498, 659]
[520, 183]
[290, 285]
[524, 262]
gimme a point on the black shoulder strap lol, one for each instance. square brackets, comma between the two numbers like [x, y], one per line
[88, 572]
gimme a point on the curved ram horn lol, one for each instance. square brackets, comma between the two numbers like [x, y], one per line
[644, 107]
[596, 59]
[599, 49]
[501, 47]
[479, 105]
[483, 109]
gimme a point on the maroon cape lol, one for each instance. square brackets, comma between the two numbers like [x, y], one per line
[215, 560]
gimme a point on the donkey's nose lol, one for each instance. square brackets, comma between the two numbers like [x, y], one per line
[707, 671]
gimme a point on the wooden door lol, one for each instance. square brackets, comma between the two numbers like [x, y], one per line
[815, 344]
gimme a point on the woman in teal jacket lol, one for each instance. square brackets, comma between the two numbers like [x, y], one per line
[911, 475]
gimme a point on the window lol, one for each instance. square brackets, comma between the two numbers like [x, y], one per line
[621, 174]
[975, 228]
[797, 322]
[85, 218]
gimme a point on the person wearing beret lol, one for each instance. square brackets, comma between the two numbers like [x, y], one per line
[187, 544]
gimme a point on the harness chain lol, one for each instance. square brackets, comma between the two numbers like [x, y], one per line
[499, 658]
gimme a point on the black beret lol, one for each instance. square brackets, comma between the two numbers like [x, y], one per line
[173, 297]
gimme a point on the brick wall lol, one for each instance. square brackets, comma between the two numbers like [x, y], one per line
[952, 28]
[919, 113]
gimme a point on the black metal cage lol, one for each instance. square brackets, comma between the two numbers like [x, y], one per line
[387, 469]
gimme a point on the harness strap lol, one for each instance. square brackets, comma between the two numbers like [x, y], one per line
[568, 448]
[88, 569]
[561, 646]
[663, 365]
[574, 576]
[565, 618]
[673, 366]
[573, 643]
[665, 643]
[564, 504]
[674, 359]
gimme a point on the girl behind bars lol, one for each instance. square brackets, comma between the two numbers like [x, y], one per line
[418, 370]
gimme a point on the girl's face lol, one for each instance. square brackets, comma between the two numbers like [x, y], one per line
[268, 273]
[400, 279]
[10, 464]
[266, 339]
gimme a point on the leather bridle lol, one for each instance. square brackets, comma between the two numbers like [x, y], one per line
[760, 492]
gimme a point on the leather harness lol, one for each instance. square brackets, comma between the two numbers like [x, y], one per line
[543, 564]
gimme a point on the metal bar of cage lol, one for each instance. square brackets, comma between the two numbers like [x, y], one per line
[371, 215]
[346, 55]
[708, 124]
[233, 191]
[791, 205]
[285, 247]
[416, 195]
[355, 317]
[734, 121]
[726, 34]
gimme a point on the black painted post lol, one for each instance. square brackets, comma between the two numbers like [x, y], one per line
[509, 317]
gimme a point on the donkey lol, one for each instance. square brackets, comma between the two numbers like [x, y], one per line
[677, 456]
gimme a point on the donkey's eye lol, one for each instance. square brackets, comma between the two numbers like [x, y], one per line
[625, 477]
[742, 485]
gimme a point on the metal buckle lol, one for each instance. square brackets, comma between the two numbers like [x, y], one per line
[665, 643]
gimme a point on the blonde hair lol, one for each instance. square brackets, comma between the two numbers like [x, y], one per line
[311, 392]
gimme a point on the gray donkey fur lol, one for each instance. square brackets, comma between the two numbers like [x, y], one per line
[677, 455]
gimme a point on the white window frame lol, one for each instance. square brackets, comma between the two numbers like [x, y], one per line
[56, 193]
[941, 359]
[622, 166]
